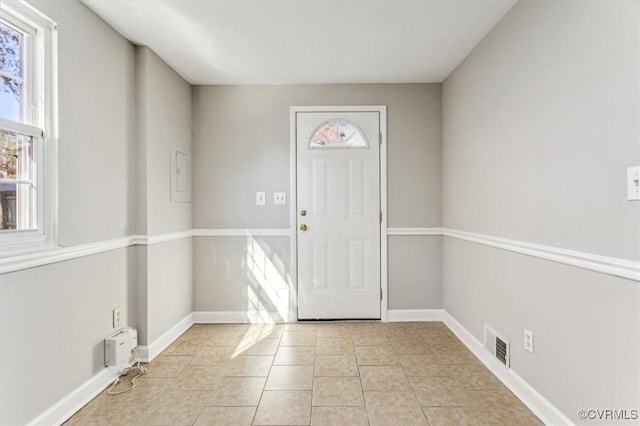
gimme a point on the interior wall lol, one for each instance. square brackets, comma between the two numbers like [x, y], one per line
[242, 142]
[415, 277]
[96, 123]
[585, 324]
[169, 286]
[540, 123]
[53, 328]
[249, 274]
[163, 100]
[241, 146]
[53, 319]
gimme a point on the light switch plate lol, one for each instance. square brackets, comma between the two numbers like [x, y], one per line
[261, 198]
[633, 183]
[279, 198]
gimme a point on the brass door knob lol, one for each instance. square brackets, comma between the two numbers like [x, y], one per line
[303, 212]
[303, 227]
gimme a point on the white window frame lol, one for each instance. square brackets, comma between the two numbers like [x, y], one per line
[39, 120]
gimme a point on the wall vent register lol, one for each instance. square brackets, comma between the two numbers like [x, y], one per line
[501, 350]
[497, 345]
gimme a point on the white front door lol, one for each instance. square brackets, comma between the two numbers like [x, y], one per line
[338, 214]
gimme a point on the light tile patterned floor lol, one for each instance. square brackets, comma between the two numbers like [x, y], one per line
[337, 373]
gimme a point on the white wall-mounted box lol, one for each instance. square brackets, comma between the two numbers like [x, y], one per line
[118, 348]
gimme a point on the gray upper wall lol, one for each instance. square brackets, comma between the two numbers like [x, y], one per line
[96, 148]
[164, 98]
[242, 141]
[540, 123]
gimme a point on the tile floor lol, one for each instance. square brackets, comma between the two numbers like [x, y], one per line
[338, 373]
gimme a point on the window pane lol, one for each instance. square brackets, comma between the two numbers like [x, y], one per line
[8, 206]
[10, 96]
[15, 155]
[16, 198]
[338, 134]
[16, 206]
[11, 42]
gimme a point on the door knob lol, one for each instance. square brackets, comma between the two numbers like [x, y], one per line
[303, 212]
[303, 227]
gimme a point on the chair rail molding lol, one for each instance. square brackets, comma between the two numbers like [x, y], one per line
[622, 268]
[261, 232]
[414, 232]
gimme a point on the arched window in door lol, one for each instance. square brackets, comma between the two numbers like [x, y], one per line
[338, 133]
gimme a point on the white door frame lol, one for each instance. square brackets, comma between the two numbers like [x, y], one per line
[293, 214]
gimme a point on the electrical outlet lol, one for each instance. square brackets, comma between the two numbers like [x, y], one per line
[117, 317]
[261, 198]
[633, 183]
[279, 198]
[528, 340]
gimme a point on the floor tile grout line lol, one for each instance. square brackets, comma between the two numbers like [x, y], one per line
[408, 336]
[265, 382]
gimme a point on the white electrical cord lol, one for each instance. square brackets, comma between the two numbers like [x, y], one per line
[137, 368]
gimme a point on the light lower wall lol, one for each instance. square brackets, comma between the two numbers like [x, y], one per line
[244, 274]
[415, 272]
[53, 320]
[540, 123]
[249, 273]
[242, 143]
[142, 295]
[169, 286]
[586, 326]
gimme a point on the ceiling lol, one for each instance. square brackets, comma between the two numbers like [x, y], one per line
[306, 41]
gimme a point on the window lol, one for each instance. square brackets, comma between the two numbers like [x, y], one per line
[27, 129]
[338, 133]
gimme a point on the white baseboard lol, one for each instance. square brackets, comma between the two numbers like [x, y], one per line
[148, 353]
[405, 315]
[62, 410]
[394, 315]
[537, 403]
[253, 317]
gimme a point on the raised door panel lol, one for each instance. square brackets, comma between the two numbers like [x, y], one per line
[356, 188]
[357, 264]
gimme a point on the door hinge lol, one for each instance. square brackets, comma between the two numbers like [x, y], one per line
[380, 138]
[381, 295]
[380, 216]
